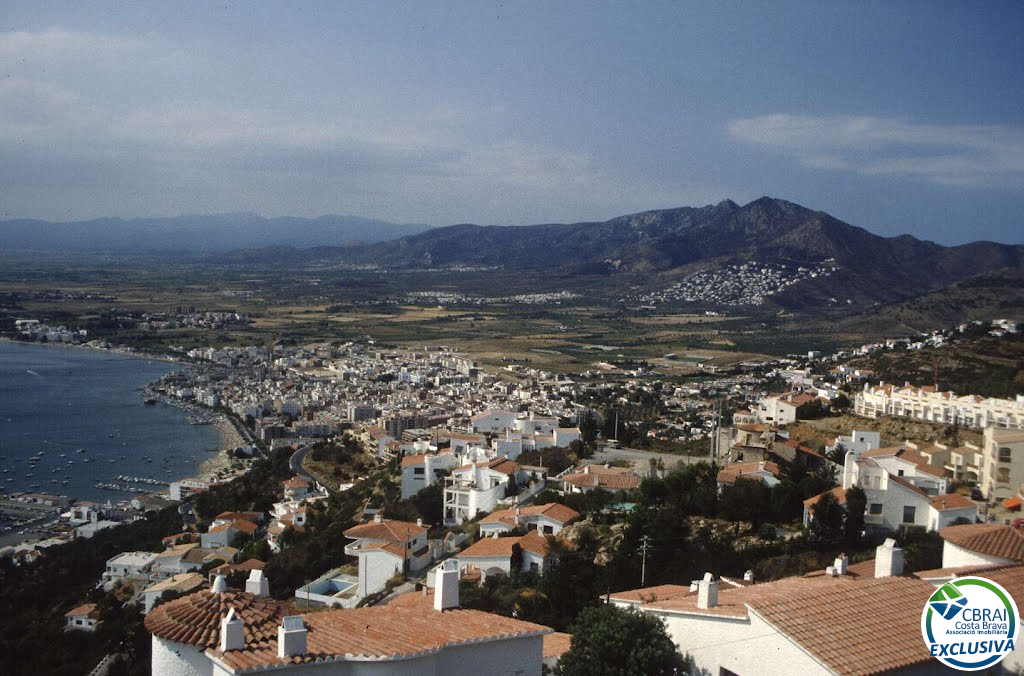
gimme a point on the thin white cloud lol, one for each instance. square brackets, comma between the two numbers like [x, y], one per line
[149, 124]
[963, 155]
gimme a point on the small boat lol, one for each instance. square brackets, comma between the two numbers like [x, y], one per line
[150, 402]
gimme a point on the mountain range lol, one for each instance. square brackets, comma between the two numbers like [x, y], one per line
[647, 250]
[665, 244]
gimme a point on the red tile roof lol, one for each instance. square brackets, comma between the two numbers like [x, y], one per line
[85, 610]
[406, 627]
[490, 547]
[879, 621]
[838, 492]
[556, 644]
[195, 619]
[952, 501]
[1006, 542]
[388, 530]
[553, 510]
[734, 471]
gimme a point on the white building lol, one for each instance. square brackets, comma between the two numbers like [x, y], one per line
[83, 618]
[981, 544]
[423, 470]
[857, 441]
[547, 519]
[893, 500]
[476, 488]
[183, 488]
[743, 628]
[493, 420]
[1002, 463]
[128, 565]
[218, 632]
[495, 555]
[931, 405]
[183, 583]
[386, 548]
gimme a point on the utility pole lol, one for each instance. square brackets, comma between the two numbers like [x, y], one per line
[645, 540]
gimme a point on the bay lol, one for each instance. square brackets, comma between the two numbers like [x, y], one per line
[54, 401]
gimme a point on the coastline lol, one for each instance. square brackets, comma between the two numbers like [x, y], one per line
[216, 464]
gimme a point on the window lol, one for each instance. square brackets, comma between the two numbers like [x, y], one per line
[418, 471]
[534, 567]
[1003, 475]
[875, 508]
[549, 530]
[900, 473]
[909, 512]
[1004, 454]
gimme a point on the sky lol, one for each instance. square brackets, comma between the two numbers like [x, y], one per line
[902, 117]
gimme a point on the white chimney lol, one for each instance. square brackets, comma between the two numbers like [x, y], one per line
[707, 592]
[232, 632]
[694, 585]
[291, 636]
[446, 585]
[419, 522]
[748, 576]
[888, 559]
[219, 586]
[377, 518]
[840, 564]
[257, 584]
[831, 571]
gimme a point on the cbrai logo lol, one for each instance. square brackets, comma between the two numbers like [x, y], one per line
[970, 623]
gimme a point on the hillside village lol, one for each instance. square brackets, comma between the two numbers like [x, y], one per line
[433, 488]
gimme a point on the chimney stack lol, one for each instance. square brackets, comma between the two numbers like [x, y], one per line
[257, 584]
[377, 518]
[888, 559]
[748, 576]
[840, 564]
[419, 522]
[291, 637]
[219, 586]
[232, 632]
[446, 585]
[707, 592]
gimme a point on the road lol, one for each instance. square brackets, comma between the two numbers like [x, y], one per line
[296, 461]
[641, 459]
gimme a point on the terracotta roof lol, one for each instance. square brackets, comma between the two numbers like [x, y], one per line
[388, 547]
[664, 592]
[183, 582]
[386, 529]
[244, 566]
[556, 644]
[553, 510]
[296, 482]
[803, 449]
[195, 619]
[373, 633]
[535, 542]
[729, 474]
[1012, 503]
[958, 571]
[501, 465]
[1001, 435]
[838, 492]
[879, 621]
[85, 610]
[603, 480]
[1006, 542]
[410, 460]
[491, 547]
[952, 501]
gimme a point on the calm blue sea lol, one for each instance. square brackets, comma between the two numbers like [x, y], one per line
[54, 401]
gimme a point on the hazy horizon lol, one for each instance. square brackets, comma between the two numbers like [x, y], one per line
[898, 119]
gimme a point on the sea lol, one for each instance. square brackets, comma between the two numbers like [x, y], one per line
[71, 418]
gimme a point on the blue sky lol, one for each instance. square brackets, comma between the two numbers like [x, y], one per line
[897, 117]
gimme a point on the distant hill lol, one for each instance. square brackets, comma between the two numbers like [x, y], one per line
[197, 234]
[663, 244]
